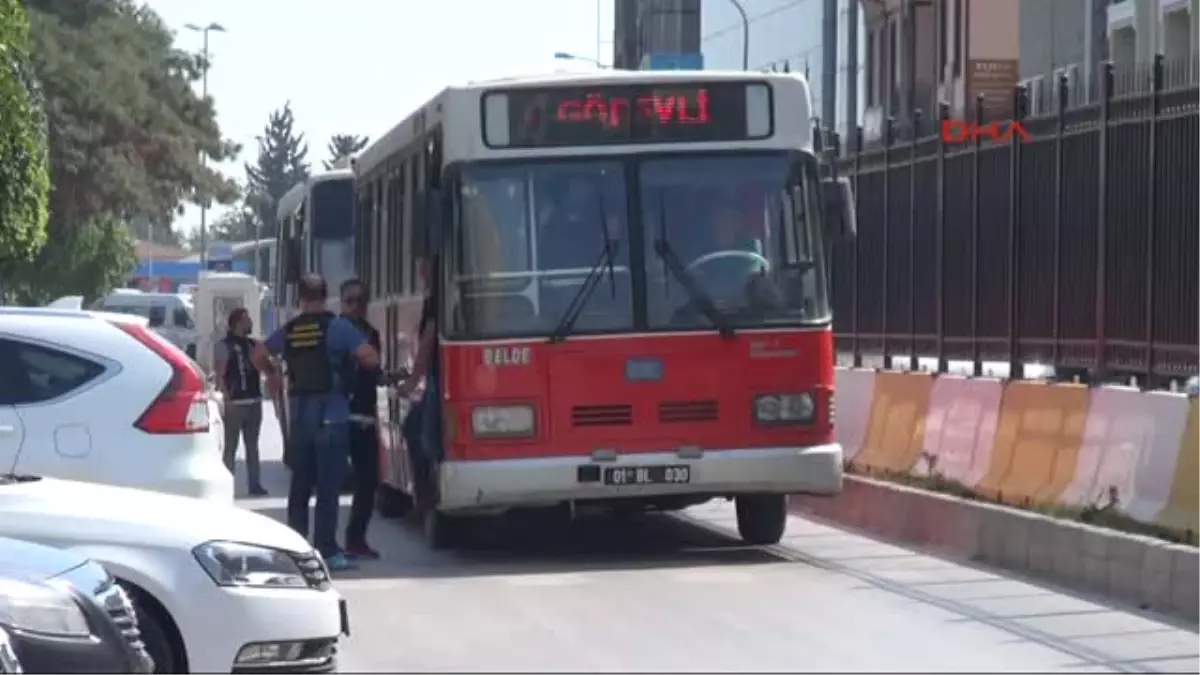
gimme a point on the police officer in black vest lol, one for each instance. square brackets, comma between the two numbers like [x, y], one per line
[241, 390]
[321, 351]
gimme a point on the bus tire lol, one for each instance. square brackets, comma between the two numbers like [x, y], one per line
[391, 502]
[761, 519]
[444, 531]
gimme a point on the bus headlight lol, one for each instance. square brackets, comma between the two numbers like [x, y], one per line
[502, 421]
[784, 408]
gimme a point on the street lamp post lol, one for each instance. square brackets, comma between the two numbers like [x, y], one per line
[204, 30]
[567, 56]
[745, 33]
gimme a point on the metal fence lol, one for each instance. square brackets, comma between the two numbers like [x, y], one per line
[1076, 249]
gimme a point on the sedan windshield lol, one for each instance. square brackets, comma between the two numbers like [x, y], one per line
[744, 231]
[529, 236]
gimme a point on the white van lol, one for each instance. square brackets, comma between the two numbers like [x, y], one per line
[171, 315]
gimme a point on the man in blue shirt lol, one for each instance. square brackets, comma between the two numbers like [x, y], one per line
[321, 351]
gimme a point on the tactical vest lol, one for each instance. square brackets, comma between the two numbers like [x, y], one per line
[241, 377]
[306, 352]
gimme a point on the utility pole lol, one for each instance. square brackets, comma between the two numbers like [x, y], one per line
[204, 30]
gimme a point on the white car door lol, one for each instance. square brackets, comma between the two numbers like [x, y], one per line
[12, 432]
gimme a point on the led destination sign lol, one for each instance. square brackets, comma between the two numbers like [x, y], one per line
[601, 115]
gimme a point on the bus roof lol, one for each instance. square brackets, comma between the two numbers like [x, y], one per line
[434, 111]
[291, 200]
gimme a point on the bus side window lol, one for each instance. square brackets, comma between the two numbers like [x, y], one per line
[414, 222]
[396, 258]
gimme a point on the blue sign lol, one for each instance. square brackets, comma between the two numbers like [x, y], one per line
[673, 61]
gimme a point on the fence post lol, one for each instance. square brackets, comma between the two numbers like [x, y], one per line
[1060, 132]
[1152, 207]
[914, 364]
[940, 241]
[888, 127]
[977, 367]
[1106, 86]
[1016, 369]
[855, 345]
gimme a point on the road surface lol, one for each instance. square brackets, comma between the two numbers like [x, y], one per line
[680, 593]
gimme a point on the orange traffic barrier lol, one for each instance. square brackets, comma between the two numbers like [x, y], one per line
[895, 426]
[1037, 442]
[960, 427]
[855, 388]
[1183, 505]
[1129, 451]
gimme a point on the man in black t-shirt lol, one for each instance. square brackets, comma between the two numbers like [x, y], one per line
[364, 441]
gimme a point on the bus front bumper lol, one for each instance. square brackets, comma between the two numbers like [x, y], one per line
[538, 481]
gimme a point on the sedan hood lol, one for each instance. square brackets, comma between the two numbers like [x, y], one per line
[68, 513]
[25, 559]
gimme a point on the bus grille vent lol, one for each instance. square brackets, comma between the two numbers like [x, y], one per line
[601, 415]
[687, 411]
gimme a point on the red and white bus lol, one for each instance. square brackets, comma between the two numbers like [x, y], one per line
[315, 234]
[634, 307]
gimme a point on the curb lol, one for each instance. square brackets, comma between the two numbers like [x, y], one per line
[1146, 572]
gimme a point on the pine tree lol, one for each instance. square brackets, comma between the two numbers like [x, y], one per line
[343, 146]
[282, 162]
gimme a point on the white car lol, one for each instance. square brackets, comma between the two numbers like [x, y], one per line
[216, 588]
[101, 397]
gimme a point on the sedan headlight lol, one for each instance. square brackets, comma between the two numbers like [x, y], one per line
[499, 421]
[41, 609]
[233, 564]
[784, 408]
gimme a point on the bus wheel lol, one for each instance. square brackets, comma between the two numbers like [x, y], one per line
[761, 519]
[392, 503]
[444, 531]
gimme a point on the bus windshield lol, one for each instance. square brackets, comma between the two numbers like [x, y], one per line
[743, 229]
[332, 204]
[527, 239]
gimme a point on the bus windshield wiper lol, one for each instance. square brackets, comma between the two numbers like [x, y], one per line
[698, 297]
[604, 264]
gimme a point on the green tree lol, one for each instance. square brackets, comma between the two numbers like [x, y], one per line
[282, 162]
[344, 146]
[24, 179]
[128, 131]
[89, 260]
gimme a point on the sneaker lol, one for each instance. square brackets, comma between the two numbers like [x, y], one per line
[361, 552]
[338, 562]
[258, 491]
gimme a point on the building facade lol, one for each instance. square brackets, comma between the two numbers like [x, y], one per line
[646, 27]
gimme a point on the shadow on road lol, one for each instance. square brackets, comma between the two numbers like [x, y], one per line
[533, 543]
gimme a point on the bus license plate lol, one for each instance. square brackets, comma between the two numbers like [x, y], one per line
[648, 475]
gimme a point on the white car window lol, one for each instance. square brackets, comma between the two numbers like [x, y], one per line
[34, 374]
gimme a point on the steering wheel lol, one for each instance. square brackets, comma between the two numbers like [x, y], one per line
[730, 253]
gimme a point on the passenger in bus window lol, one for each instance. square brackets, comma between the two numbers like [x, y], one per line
[422, 426]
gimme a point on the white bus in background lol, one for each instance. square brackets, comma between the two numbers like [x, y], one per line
[316, 234]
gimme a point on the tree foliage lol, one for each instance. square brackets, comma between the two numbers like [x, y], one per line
[24, 179]
[125, 134]
[86, 260]
[282, 162]
[344, 146]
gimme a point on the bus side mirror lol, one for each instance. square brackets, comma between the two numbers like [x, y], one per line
[430, 204]
[291, 268]
[841, 222]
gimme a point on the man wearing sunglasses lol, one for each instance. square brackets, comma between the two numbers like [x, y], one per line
[364, 448]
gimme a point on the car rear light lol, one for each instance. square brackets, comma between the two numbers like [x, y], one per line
[182, 406]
